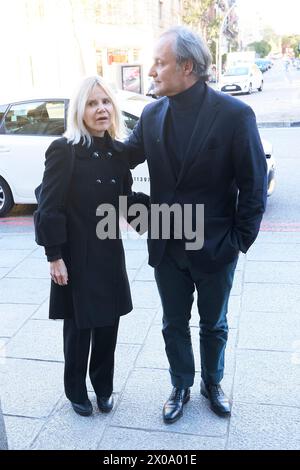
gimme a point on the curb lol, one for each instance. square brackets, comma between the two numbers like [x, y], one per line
[279, 124]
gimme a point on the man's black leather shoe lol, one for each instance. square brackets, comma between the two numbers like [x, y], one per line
[83, 409]
[173, 408]
[219, 403]
[105, 404]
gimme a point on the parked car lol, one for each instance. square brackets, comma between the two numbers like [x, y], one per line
[27, 127]
[263, 65]
[241, 78]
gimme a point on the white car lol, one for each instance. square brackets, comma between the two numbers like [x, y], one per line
[27, 128]
[241, 78]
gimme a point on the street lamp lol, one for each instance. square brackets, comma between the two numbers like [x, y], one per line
[220, 39]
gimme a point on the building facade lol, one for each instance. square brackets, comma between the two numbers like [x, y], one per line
[50, 44]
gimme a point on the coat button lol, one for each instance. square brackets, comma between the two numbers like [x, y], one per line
[109, 154]
[95, 155]
[98, 181]
[113, 181]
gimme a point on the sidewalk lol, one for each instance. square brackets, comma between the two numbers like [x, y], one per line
[262, 359]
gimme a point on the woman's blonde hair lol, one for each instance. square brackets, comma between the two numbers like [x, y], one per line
[76, 128]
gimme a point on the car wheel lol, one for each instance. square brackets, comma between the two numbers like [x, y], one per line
[261, 86]
[250, 89]
[6, 198]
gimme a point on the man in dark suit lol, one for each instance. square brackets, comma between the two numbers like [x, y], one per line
[202, 148]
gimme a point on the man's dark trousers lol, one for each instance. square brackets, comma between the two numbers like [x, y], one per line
[176, 280]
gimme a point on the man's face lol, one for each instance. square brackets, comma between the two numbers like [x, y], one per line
[169, 77]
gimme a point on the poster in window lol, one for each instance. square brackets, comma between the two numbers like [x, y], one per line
[131, 78]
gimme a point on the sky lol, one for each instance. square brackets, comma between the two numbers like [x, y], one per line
[282, 15]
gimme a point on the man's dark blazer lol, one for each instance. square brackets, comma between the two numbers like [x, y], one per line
[224, 168]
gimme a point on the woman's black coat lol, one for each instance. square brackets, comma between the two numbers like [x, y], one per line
[98, 290]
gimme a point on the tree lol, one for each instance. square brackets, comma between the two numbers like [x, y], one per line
[291, 42]
[262, 48]
[201, 16]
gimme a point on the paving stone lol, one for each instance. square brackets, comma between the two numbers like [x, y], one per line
[274, 252]
[234, 310]
[65, 430]
[18, 242]
[134, 243]
[12, 317]
[21, 432]
[260, 330]
[30, 388]
[4, 271]
[241, 262]
[145, 274]
[39, 252]
[144, 410]
[116, 438]
[270, 298]
[23, 291]
[278, 237]
[259, 427]
[273, 272]
[135, 258]
[145, 295]
[31, 268]
[38, 339]
[42, 313]
[3, 355]
[134, 326]
[237, 283]
[131, 273]
[10, 258]
[265, 377]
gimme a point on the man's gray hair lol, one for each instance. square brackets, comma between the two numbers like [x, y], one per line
[190, 46]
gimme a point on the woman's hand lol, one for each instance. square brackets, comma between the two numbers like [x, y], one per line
[58, 272]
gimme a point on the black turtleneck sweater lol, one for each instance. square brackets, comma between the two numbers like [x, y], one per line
[181, 119]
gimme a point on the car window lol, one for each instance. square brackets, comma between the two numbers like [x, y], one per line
[130, 120]
[236, 71]
[36, 118]
[3, 108]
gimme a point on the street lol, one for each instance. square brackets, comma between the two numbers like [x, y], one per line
[279, 101]
[283, 209]
[280, 98]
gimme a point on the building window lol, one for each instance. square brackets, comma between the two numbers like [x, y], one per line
[117, 56]
[99, 64]
[136, 55]
[160, 9]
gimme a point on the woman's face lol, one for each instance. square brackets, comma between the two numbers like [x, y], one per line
[98, 112]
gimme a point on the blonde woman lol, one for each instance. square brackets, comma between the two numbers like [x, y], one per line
[89, 287]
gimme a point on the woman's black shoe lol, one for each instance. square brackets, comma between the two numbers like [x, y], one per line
[105, 404]
[83, 409]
